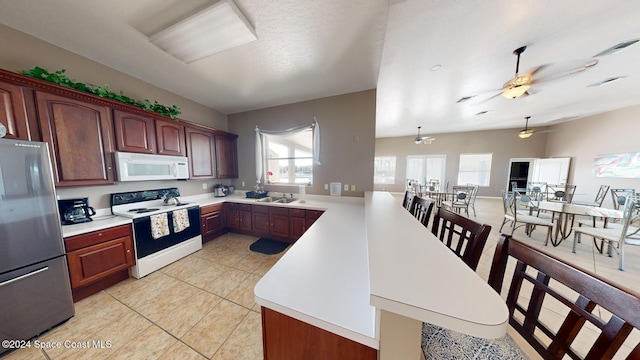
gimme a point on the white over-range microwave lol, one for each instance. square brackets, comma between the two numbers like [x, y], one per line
[142, 167]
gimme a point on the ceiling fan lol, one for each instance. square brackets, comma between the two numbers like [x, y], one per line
[520, 84]
[526, 133]
[423, 139]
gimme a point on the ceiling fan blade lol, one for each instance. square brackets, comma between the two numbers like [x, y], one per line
[498, 93]
[568, 69]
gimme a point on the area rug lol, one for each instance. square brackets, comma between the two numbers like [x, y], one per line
[268, 246]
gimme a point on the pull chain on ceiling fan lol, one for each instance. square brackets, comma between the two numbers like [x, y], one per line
[423, 139]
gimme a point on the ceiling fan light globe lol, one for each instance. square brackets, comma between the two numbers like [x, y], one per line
[418, 141]
[525, 134]
[515, 91]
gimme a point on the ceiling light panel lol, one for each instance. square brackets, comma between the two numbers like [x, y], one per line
[217, 28]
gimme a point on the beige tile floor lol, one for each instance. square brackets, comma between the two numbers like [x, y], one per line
[202, 306]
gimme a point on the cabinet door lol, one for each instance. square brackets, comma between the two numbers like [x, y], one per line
[261, 222]
[232, 215]
[80, 139]
[312, 216]
[279, 221]
[297, 227]
[245, 221]
[134, 133]
[170, 138]
[13, 112]
[226, 156]
[200, 150]
[212, 224]
[95, 262]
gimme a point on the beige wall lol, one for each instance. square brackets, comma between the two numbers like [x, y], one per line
[608, 133]
[347, 124]
[21, 51]
[503, 144]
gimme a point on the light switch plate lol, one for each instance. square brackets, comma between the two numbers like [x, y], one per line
[335, 189]
[346, 187]
[353, 188]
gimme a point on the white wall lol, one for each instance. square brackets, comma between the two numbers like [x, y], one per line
[608, 133]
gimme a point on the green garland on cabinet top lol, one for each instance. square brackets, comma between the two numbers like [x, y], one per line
[59, 78]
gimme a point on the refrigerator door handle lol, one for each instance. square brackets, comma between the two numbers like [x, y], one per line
[24, 276]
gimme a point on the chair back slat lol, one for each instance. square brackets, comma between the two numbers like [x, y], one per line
[548, 276]
[462, 235]
[407, 202]
[421, 209]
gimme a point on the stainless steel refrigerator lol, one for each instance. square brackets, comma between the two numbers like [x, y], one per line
[35, 292]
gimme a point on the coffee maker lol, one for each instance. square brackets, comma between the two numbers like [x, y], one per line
[75, 211]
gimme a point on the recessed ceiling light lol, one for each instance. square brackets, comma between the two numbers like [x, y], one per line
[436, 67]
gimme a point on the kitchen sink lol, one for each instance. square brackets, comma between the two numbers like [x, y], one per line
[279, 200]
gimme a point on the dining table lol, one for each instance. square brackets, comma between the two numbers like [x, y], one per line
[564, 213]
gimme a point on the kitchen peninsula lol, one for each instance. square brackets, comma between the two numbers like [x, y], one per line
[369, 274]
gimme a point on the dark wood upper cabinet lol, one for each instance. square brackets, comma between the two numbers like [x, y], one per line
[80, 139]
[134, 133]
[201, 152]
[226, 156]
[13, 112]
[170, 138]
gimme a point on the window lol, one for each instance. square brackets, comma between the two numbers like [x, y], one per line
[384, 170]
[289, 158]
[474, 169]
[426, 168]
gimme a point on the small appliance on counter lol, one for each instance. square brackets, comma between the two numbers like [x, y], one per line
[75, 211]
[220, 190]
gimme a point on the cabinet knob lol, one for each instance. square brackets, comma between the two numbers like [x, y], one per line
[128, 251]
[99, 234]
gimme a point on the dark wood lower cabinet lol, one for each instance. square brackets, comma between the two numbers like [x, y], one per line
[99, 259]
[284, 337]
[275, 222]
[212, 218]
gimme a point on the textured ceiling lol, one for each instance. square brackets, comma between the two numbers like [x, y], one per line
[309, 49]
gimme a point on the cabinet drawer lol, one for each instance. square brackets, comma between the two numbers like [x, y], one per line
[96, 262]
[96, 237]
[279, 211]
[297, 212]
[210, 208]
[260, 209]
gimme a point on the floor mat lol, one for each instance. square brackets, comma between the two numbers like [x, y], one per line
[268, 246]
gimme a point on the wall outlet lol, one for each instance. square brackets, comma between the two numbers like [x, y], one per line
[346, 187]
[353, 188]
[204, 185]
[326, 186]
[243, 184]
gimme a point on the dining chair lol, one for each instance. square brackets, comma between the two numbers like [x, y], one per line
[510, 202]
[602, 193]
[563, 193]
[463, 236]
[537, 190]
[583, 302]
[472, 199]
[421, 209]
[618, 196]
[617, 236]
[461, 196]
[407, 203]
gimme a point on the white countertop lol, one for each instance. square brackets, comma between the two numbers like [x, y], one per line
[98, 223]
[413, 274]
[323, 279]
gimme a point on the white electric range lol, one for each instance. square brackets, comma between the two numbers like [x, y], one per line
[162, 233]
